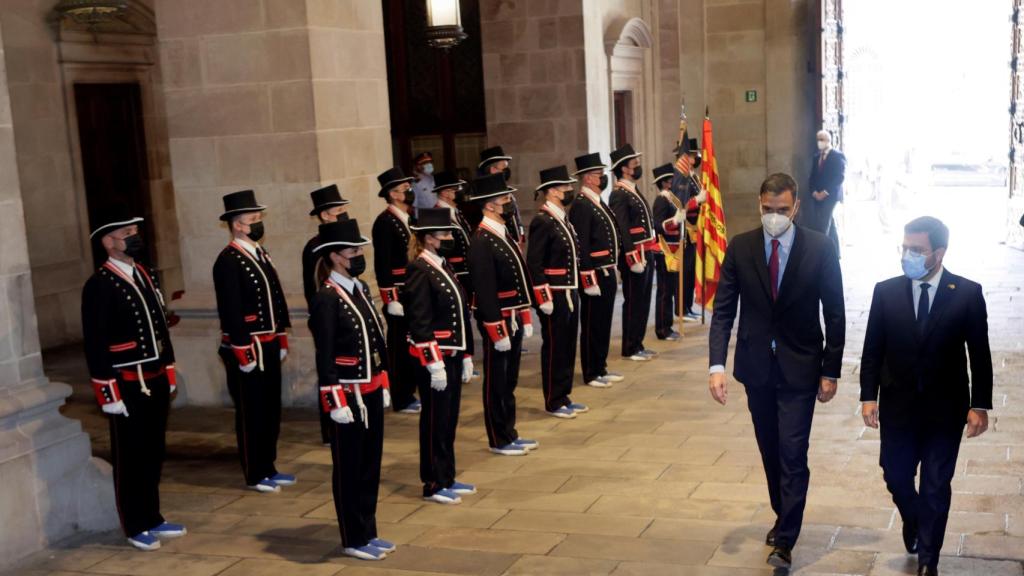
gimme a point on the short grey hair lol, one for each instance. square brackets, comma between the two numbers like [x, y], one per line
[824, 133]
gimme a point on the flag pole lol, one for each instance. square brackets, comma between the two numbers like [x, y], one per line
[678, 308]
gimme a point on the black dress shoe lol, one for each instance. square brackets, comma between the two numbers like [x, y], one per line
[927, 571]
[781, 557]
[769, 540]
[910, 537]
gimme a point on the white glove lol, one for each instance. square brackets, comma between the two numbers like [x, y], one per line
[503, 345]
[439, 380]
[702, 197]
[594, 290]
[547, 308]
[284, 354]
[528, 330]
[115, 408]
[637, 268]
[680, 217]
[247, 367]
[396, 309]
[343, 415]
[467, 369]
[386, 396]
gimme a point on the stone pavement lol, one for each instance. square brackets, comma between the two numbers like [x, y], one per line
[657, 479]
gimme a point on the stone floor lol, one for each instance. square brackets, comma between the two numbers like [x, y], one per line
[657, 479]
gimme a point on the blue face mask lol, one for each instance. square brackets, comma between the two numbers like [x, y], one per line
[914, 265]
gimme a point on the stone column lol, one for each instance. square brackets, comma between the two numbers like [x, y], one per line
[51, 484]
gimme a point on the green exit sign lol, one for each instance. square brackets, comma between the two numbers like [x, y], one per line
[751, 95]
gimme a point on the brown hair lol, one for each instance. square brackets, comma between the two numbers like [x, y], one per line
[417, 244]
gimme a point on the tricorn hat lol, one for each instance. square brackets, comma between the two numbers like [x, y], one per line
[340, 234]
[112, 218]
[324, 198]
[490, 186]
[662, 172]
[554, 177]
[492, 154]
[588, 163]
[446, 179]
[239, 203]
[623, 154]
[391, 178]
[432, 220]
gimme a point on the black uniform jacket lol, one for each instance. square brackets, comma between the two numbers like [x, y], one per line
[309, 260]
[924, 376]
[664, 211]
[390, 252]
[552, 254]
[633, 216]
[437, 310]
[598, 235]
[457, 260]
[500, 281]
[123, 322]
[250, 301]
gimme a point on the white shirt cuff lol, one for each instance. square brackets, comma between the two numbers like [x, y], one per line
[717, 369]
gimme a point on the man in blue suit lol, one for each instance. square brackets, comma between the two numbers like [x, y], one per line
[826, 189]
[914, 382]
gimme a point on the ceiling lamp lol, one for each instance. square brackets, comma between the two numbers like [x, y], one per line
[444, 24]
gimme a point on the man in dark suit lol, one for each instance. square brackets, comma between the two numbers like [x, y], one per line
[920, 329]
[781, 273]
[826, 189]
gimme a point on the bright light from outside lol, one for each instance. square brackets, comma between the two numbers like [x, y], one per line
[927, 130]
[443, 13]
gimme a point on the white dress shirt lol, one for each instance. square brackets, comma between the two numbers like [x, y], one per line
[932, 282]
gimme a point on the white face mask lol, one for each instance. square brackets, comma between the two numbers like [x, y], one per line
[428, 168]
[775, 224]
[823, 145]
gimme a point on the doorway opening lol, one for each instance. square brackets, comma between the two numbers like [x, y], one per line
[623, 115]
[922, 120]
[114, 158]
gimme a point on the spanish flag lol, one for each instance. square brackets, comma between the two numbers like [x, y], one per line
[711, 235]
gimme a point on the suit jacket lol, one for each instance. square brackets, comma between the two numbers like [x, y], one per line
[815, 214]
[811, 278]
[914, 376]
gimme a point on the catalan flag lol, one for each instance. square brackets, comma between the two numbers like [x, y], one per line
[711, 234]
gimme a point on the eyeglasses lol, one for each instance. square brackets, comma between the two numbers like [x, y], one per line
[904, 250]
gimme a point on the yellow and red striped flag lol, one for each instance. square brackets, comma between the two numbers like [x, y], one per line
[711, 235]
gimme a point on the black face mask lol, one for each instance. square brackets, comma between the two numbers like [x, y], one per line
[356, 265]
[343, 217]
[603, 183]
[568, 197]
[696, 162]
[507, 173]
[255, 231]
[638, 172]
[409, 197]
[134, 247]
[508, 210]
[447, 248]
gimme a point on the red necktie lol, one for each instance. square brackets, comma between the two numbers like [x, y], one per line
[773, 269]
[821, 160]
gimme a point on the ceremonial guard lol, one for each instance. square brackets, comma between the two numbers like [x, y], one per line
[552, 258]
[328, 206]
[502, 291]
[351, 365]
[449, 189]
[494, 161]
[441, 338]
[636, 234]
[669, 216]
[390, 256]
[131, 363]
[253, 318]
[599, 251]
[693, 195]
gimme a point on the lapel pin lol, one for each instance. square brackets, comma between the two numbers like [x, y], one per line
[951, 286]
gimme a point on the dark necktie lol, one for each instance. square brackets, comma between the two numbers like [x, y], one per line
[821, 160]
[922, 308]
[773, 269]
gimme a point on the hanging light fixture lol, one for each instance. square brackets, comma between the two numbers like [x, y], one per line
[91, 12]
[444, 24]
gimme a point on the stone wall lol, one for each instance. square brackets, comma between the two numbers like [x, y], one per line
[51, 484]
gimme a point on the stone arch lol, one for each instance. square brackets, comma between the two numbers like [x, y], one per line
[633, 32]
[138, 18]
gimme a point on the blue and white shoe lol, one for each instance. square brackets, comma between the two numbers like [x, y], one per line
[168, 530]
[414, 407]
[578, 408]
[144, 541]
[600, 382]
[512, 449]
[382, 544]
[284, 479]
[526, 443]
[462, 489]
[648, 353]
[368, 552]
[444, 496]
[613, 377]
[266, 486]
[563, 412]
